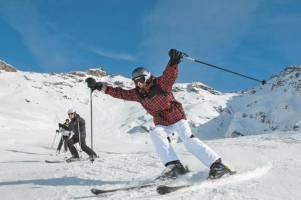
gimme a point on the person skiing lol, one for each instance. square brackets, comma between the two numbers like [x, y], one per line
[155, 95]
[77, 126]
[63, 129]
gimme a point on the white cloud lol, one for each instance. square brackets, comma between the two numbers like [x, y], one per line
[114, 55]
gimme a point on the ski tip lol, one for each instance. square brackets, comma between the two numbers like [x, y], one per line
[94, 190]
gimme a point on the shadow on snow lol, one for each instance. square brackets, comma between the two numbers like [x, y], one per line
[60, 182]
[24, 152]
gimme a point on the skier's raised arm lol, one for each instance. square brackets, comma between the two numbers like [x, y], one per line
[170, 73]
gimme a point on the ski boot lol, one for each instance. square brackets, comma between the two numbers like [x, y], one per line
[218, 169]
[72, 159]
[173, 170]
[92, 157]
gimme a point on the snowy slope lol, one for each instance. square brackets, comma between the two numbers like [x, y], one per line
[32, 104]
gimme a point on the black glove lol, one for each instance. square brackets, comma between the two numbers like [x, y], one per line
[60, 125]
[175, 57]
[90, 82]
[93, 85]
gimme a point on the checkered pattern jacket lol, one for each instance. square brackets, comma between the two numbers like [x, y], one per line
[158, 99]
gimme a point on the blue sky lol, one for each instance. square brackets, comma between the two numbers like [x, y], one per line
[257, 38]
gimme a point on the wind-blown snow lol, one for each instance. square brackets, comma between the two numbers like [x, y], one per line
[32, 104]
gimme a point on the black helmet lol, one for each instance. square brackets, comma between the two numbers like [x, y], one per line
[141, 71]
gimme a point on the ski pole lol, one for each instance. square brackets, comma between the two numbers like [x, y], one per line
[226, 70]
[91, 112]
[56, 132]
[79, 134]
[79, 139]
[90, 81]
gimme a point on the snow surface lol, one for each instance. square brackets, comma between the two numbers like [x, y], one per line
[32, 104]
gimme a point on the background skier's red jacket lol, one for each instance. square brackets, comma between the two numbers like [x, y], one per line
[158, 99]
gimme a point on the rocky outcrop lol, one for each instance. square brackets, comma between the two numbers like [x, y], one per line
[6, 67]
[197, 87]
[98, 72]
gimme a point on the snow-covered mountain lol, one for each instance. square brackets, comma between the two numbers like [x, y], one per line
[32, 105]
[48, 97]
[271, 107]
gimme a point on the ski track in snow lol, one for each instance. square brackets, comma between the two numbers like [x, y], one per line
[239, 177]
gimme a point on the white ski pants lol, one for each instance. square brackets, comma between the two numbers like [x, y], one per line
[195, 146]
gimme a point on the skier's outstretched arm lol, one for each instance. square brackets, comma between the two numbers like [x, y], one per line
[120, 93]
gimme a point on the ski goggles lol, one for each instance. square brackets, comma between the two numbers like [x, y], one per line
[140, 79]
[71, 114]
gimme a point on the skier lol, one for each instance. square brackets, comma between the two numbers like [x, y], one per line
[77, 126]
[155, 95]
[63, 129]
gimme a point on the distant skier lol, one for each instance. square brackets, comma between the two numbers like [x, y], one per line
[155, 95]
[77, 126]
[63, 129]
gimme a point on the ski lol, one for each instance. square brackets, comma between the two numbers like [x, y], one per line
[54, 161]
[102, 191]
[67, 161]
[152, 183]
[164, 189]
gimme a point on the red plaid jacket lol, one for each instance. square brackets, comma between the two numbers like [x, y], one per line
[158, 100]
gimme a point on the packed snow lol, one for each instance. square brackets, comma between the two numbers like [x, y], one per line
[267, 159]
